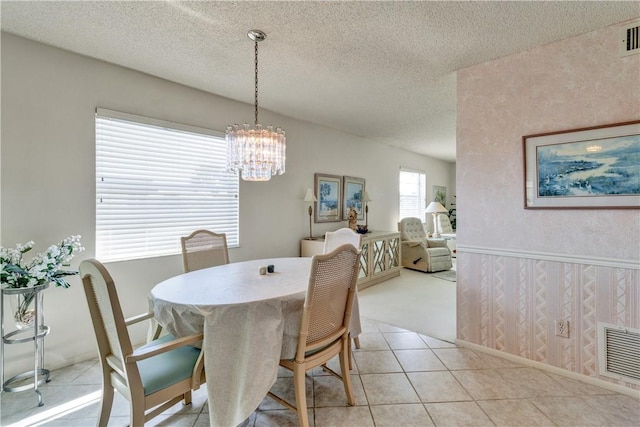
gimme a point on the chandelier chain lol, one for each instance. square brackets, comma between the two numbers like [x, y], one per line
[256, 83]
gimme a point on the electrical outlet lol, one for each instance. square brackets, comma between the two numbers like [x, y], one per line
[562, 328]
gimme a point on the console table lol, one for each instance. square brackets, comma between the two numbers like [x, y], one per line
[379, 256]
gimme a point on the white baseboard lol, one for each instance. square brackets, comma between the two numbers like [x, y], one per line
[553, 369]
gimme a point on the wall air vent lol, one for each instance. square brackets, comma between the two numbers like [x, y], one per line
[630, 39]
[619, 352]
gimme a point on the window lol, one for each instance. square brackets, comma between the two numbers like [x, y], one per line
[413, 194]
[157, 181]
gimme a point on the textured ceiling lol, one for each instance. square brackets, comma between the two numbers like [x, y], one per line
[382, 70]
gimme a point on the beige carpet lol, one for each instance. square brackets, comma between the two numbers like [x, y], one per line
[416, 301]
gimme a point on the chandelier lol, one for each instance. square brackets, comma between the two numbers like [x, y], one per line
[258, 153]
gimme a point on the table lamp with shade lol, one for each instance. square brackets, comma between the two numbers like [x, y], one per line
[366, 199]
[436, 209]
[310, 198]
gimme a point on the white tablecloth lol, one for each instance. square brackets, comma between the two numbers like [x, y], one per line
[250, 321]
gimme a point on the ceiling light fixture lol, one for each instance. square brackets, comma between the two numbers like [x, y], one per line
[257, 153]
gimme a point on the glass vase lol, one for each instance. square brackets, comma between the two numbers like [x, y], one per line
[23, 306]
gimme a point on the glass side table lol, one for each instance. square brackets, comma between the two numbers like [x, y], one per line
[34, 332]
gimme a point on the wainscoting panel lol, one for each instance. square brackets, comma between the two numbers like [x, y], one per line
[510, 301]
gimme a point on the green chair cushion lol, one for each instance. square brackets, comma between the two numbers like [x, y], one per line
[161, 371]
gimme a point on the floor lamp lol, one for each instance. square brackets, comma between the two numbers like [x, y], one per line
[310, 198]
[436, 209]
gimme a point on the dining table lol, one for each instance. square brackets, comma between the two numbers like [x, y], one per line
[249, 322]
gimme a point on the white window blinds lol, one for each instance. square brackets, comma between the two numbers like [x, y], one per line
[413, 194]
[157, 181]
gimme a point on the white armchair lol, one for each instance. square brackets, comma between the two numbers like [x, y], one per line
[420, 253]
[447, 232]
[444, 225]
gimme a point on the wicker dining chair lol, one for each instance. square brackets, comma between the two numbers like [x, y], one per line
[153, 377]
[333, 239]
[324, 329]
[204, 248]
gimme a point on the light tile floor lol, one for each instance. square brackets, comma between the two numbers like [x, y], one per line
[400, 378]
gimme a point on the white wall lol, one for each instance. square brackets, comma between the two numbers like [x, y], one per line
[49, 97]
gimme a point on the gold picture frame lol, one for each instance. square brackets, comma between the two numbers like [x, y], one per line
[328, 192]
[352, 194]
[587, 168]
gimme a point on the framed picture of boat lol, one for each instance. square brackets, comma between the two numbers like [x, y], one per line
[593, 168]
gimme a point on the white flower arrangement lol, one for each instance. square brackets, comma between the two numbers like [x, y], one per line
[44, 267]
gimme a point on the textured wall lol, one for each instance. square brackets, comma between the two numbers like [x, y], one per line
[519, 270]
[510, 303]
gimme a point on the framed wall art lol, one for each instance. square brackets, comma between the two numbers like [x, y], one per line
[589, 168]
[352, 195]
[328, 191]
[440, 195]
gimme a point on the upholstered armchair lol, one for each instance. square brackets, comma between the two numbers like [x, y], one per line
[447, 232]
[419, 252]
[444, 226]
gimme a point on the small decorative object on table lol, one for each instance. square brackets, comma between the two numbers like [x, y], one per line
[362, 229]
[353, 218]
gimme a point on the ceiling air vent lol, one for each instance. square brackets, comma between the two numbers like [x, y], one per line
[619, 352]
[630, 39]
